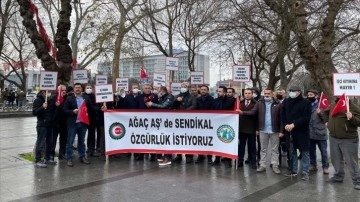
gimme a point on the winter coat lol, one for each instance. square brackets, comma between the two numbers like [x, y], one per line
[204, 102]
[247, 123]
[70, 104]
[165, 102]
[188, 102]
[44, 116]
[143, 98]
[297, 111]
[223, 103]
[318, 130]
[129, 101]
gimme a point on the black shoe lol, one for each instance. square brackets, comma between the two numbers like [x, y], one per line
[228, 163]
[189, 160]
[61, 157]
[215, 163]
[152, 157]
[94, 154]
[199, 160]
[178, 159]
[247, 161]
[240, 164]
[74, 148]
[84, 161]
[70, 163]
[140, 157]
[253, 166]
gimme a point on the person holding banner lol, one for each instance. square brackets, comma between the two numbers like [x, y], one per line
[184, 101]
[75, 108]
[204, 102]
[222, 102]
[343, 120]
[166, 101]
[141, 103]
[43, 109]
[318, 133]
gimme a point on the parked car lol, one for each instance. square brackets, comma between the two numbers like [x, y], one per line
[30, 97]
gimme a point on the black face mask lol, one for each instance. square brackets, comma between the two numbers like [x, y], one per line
[311, 99]
[280, 97]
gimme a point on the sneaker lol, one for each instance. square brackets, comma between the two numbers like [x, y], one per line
[276, 170]
[261, 169]
[336, 180]
[357, 186]
[84, 161]
[165, 162]
[70, 163]
[305, 177]
[40, 165]
[290, 174]
[313, 168]
[160, 160]
[326, 171]
[51, 162]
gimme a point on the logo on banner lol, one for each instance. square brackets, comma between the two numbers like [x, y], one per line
[117, 131]
[226, 133]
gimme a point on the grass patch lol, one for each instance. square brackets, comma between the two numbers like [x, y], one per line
[28, 156]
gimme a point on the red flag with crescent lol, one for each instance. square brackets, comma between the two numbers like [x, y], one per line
[340, 106]
[60, 97]
[323, 102]
[143, 74]
[83, 114]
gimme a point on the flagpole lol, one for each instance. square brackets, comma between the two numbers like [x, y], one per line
[321, 96]
[347, 105]
[46, 92]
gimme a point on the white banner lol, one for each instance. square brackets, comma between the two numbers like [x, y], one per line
[104, 93]
[348, 83]
[171, 132]
[241, 73]
[175, 88]
[197, 78]
[48, 80]
[172, 63]
[122, 83]
[80, 76]
[101, 80]
[159, 80]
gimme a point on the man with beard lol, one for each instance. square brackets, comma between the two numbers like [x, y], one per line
[295, 116]
[184, 101]
[204, 102]
[166, 101]
[222, 102]
[141, 101]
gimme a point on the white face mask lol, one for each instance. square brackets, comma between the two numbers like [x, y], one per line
[155, 91]
[122, 94]
[292, 95]
[267, 99]
[88, 91]
[135, 91]
[254, 95]
[183, 90]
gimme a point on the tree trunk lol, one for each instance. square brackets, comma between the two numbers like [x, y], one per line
[117, 52]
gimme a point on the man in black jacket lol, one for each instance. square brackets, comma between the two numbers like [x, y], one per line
[44, 112]
[295, 117]
[130, 98]
[204, 102]
[222, 102]
[71, 110]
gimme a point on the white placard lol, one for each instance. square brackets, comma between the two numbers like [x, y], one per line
[206, 133]
[48, 80]
[122, 83]
[241, 73]
[104, 93]
[197, 78]
[159, 80]
[101, 79]
[348, 83]
[175, 88]
[80, 76]
[172, 63]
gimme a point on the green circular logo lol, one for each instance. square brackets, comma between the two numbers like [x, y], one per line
[117, 131]
[226, 133]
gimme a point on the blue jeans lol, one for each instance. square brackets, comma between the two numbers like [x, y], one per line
[305, 160]
[20, 103]
[322, 145]
[80, 130]
[44, 138]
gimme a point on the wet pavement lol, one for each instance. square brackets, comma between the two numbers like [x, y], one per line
[126, 180]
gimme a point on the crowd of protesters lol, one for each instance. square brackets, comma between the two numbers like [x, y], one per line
[271, 123]
[11, 98]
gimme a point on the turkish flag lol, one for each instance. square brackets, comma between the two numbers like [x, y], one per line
[340, 106]
[60, 97]
[143, 74]
[323, 102]
[83, 114]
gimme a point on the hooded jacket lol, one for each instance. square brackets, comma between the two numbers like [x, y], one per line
[44, 116]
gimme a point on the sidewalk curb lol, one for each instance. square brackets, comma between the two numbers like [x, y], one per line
[15, 114]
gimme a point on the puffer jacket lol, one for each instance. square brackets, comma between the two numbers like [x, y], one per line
[317, 127]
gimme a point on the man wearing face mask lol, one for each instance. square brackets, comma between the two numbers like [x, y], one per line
[166, 101]
[280, 95]
[184, 101]
[318, 133]
[296, 115]
[93, 141]
[204, 102]
[267, 110]
[119, 99]
[129, 99]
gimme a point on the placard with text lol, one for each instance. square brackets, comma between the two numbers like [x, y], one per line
[48, 80]
[348, 83]
[241, 73]
[80, 76]
[122, 83]
[104, 93]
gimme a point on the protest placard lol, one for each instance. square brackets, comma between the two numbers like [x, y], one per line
[241, 73]
[196, 78]
[159, 80]
[172, 63]
[101, 79]
[122, 83]
[48, 80]
[348, 83]
[80, 76]
[104, 93]
[175, 88]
